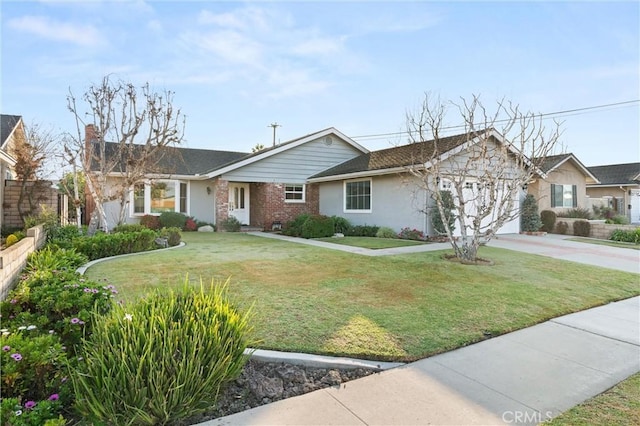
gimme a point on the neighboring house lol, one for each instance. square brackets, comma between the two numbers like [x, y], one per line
[376, 189]
[10, 127]
[264, 189]
[324, 172]
[563, 185]
[618, 188]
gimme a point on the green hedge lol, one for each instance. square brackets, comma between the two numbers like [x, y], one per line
[317, 226]
[106, 245]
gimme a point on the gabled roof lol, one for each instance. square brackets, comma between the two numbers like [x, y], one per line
[618, 174]
[8, 123]
[552, 162]
[268, 152]
[391, 160]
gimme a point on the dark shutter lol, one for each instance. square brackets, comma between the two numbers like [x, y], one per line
[553, 195]
[574, 190]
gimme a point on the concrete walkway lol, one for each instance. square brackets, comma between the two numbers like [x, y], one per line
[524, 377]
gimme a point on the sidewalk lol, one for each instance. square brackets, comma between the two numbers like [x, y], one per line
[524, 377]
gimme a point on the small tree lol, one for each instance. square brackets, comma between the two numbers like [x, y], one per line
[449, 215]
[135, 129]
[258, 147]
[485, 168]
[529, 217]
[31, 150]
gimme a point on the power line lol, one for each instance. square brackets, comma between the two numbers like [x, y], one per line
[567, 112]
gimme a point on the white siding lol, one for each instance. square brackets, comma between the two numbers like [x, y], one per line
[296, 164]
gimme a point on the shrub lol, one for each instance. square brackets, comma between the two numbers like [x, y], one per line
[317, 226]
[173, 236]
[603, 212]
[448, 206]
[14, 413]
[411, 234]
[11, 240]
[128, 227]
[581, 228]
[576, 213]
[161, 359]
[190, 225]
[562, 227]
[231, 224]
[341, 225]
[630, 236]
[173, 220]
[54, 258]
[548, 218]
[64, 234]
[529, 217]
[618, 220]
[363, 231]
[151, 222]
[106, 245]
[294, 227]
[60, 301]
[31, 364]
[386, 232]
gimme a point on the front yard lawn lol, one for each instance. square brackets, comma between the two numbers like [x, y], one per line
[619, 406]
[607, 243]
[371, 242]
[400, 307]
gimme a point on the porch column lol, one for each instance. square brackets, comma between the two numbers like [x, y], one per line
[222, 202]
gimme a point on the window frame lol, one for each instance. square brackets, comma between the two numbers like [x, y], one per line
[345, 195]
[178, 197]
[558, 200]
[303, 193]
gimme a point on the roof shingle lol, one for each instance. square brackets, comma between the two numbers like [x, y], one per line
[617, 174]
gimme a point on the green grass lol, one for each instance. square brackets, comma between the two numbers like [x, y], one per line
[607, 243]
[371, 242]
[401, 307]
[619, 406]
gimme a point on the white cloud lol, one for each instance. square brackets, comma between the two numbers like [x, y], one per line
[319, 46]
[83, 35]
[229, 46]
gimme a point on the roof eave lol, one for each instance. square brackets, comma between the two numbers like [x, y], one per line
[361, 174]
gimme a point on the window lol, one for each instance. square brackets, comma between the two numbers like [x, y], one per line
[183, 198]
[294, 193]
[159, 197]
[138, 198]
[357, 196]
[564, 196]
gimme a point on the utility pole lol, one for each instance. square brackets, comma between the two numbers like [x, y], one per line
[274, 125]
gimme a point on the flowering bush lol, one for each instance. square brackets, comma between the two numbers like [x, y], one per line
[151, 222]
[161, 359]
[32, 413]
[411, 234]
[190, 225]
[31, 364]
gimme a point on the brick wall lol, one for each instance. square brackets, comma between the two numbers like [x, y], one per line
[221, 189]
[598, 229]
[44, 194]
[268, 205]
[13, 259]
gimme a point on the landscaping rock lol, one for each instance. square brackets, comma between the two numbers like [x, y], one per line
[338, 235]
[264, 382]
[206, 228]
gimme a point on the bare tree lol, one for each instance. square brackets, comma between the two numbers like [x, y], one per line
[32, 150]
[135, 129]
[73, 183]
[486, 169]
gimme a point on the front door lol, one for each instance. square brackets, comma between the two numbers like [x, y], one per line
[239, 202]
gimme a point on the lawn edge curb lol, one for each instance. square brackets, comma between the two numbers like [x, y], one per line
[318, 361]
[81, 270]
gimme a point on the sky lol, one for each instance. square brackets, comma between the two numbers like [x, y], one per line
[358, 66]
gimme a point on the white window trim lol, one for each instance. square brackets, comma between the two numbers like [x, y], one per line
[344, 196]
[147, 198]
[304, 193]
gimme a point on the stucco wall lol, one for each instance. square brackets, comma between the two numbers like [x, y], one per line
[13, 259]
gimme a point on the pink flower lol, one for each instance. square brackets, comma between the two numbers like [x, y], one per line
[54, 397]
[29, 405]
[6, 348]
[16, 356]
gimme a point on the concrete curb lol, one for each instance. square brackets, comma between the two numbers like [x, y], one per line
[81, 270]
[319, 361]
